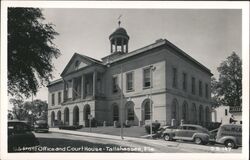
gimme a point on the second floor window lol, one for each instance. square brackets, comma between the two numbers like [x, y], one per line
[146, 78]
[115, 84]
[53, 99]
[129, 83]
[206, 90]
[59, 98]
[184, 83]
[200, 88]
[193, 85]
[174, 78]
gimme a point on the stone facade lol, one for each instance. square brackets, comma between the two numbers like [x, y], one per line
[123, 86]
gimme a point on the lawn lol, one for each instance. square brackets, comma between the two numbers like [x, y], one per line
[133, 131]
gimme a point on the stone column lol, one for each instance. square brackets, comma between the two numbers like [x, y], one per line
[83, 87]
[127, 47]
[94, 83]
[73, 89]
[71, 117]
[81, 116]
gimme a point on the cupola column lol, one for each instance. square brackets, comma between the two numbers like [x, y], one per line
[111, 47]
[122, 46]
[115, 44]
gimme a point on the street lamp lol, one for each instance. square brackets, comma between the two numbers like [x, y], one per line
[152, 68]
[121, 98]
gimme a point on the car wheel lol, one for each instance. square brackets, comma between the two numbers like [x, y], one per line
[166, 137]
[197, 140]
[230, 144]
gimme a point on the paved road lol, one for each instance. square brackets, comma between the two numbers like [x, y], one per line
[60, 142]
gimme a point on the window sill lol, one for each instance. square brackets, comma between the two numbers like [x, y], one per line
[132, 90]
[147, 87]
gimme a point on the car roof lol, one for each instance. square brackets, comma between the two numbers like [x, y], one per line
[192, 125]
[235, 125]
[40, 121]
[17, 121]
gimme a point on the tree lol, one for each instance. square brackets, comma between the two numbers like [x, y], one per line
[228, 89]
[29, 110]
[30, 51]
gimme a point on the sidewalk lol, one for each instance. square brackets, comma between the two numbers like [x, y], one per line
[160, 142]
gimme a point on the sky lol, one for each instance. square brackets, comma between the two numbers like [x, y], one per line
[207, 35]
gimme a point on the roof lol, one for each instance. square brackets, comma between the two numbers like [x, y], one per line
[55, 82]
[83, 57]
[160, 43]
[119, 31]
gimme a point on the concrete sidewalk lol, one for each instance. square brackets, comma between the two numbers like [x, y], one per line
[160, 142]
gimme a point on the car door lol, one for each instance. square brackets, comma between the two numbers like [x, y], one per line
[191, 130]
[180, 132]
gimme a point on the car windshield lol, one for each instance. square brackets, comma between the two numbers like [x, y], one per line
[41, 122]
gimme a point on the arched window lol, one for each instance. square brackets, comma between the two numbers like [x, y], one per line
[207, 112]
[201, 115]
[59, 115]
[147, 112]
[86, 112]
[175, 110]
[194, 113]
[52, 118]
[66, 116]
[76, 115]
[115, 112]
[185, 111]
[130, 111]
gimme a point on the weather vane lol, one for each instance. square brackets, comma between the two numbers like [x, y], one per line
[119, 18]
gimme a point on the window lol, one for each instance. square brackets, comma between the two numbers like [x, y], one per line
[193, 85]
[147, 111]
[59, 98]
[77, 63]
[206, 90]
[146, 78]
[130, 114]
[175, 78]
[129, 84]
[225, 112]
[184, 83]
[53, 99]
[115, 84]
[200, 88]
[115, 113]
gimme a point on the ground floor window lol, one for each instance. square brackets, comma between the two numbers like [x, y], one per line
[147, 113]
[115, 113]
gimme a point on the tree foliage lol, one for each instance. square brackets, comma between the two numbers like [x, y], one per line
[30, 51]
[228, 89]
[27, 110]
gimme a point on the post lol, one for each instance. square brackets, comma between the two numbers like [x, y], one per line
[121, 112]
[151, 115]
[90, 123]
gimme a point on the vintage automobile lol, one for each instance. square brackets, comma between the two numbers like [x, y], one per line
[188, 132]
[228, 134]
[41, 126]
[20, 135]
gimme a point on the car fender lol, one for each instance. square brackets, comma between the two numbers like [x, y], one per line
[203, 136]
[171, 134]
[223, 139]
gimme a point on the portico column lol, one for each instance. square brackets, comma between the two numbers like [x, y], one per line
[73, 89]
[83, 87]
[71, 117]
[94, 83]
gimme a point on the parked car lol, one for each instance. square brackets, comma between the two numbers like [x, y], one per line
[188, 132]
[162, 130]
[41, 126]
[228, 134]
[20, 135]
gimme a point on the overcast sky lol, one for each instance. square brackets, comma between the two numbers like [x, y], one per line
[209, 36]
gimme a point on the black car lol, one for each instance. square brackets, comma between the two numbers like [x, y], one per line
[41, 126]
[20, 135]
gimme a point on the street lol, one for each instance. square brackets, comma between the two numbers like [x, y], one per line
[60, 142]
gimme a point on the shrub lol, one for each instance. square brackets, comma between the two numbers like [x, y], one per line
[155, 127]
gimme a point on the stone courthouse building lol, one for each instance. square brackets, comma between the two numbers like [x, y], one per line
[124, 85]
